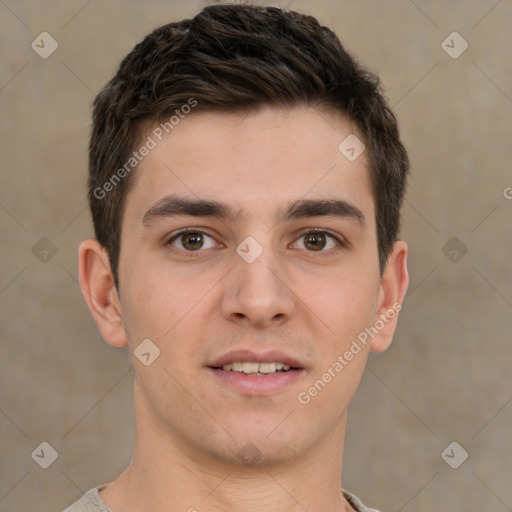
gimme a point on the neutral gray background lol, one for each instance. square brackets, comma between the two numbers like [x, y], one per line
[447, 375]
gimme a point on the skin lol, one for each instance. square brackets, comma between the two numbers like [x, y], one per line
[195, 306]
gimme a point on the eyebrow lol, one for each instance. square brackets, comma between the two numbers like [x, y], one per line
[173, 205]
[321, 208]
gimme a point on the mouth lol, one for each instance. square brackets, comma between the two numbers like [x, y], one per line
[250, 373]
[258, 369]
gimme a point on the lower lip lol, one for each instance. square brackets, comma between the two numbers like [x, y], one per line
[258, 384]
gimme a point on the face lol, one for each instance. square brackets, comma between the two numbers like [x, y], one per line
[249, 258]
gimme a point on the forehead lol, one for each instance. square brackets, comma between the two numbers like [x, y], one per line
[254, 160]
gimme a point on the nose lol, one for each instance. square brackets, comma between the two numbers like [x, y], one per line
[257, 294]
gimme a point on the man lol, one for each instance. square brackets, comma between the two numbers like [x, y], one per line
[246, 178]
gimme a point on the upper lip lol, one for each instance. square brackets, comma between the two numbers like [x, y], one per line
[244, 355]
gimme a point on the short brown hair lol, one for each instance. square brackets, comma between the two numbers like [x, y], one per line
[236, 58]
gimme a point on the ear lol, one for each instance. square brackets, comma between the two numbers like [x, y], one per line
[395, 280]
[97, 284]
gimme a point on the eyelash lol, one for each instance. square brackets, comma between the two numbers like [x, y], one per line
[185, 232]
[341, 242]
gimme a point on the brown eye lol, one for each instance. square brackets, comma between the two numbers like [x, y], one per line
[191, 241]
[318, 241]
[315, 241]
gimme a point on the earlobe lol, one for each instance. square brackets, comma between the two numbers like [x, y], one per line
[395, 280]
[100, 294]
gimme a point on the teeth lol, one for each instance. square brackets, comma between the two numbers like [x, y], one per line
[267, 367]
[258, 368]
[249, 367]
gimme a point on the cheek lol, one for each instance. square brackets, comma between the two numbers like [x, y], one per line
[344, 310]
[344, 301]
[162, 304]
[148, 302]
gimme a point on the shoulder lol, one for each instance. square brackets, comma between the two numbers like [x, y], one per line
[356, 503]
[89, 502]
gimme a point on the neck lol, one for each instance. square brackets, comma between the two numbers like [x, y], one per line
[168, 474]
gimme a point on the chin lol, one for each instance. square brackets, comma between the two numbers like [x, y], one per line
[257, 453]
[267, 445]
